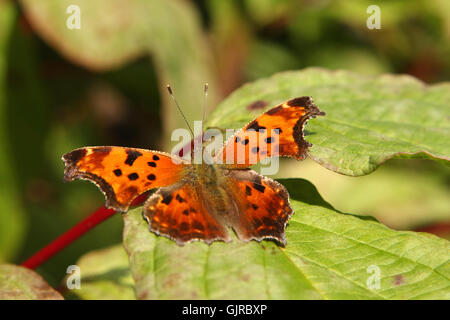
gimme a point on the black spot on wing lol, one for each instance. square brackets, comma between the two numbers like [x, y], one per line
[152, 164]
[74, 156]
[198, 225]
[155, 157]
[180, 199]
[151, 177]
[300, 102]
[248, 190]
[255, 126]
[118, 172]
[167, 197]
[132, 156]
[274, 110]
[133, 176]
[103, 150]
[259, 187]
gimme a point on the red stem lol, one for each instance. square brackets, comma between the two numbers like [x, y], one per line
[73, 234]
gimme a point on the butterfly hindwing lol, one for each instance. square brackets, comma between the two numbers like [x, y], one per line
[262, 204]
[179, 213]
[122, 173]
[277, 132]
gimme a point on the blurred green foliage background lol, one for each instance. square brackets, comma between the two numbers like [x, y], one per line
[104, 84]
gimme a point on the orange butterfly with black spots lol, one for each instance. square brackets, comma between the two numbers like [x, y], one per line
[202, 201]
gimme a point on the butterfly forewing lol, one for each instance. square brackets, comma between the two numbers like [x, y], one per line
[122, 173]
[277, 132]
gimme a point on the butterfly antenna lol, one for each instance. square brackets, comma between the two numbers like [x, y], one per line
[179, 109]
[205, 104]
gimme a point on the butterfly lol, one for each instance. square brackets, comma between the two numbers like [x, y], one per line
[203, 201]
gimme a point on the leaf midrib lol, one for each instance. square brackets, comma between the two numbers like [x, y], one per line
[303, 274]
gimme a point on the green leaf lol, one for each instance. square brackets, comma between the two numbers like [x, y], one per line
[327, 256]
[19, 283]
[113, 33]
[12, 227]
[265, 12]
[402, 194]
[368, 119]
[105, 275]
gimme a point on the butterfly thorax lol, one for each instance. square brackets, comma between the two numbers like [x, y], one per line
[200, 171]
[205, 174]
[208, 181]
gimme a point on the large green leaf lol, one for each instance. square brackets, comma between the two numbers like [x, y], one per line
[114, 32]
[105, 275]
[19, 283]
[368, 119]
[327, 256]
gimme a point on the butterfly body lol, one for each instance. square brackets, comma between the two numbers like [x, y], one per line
[204, 201]
[208, 182]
